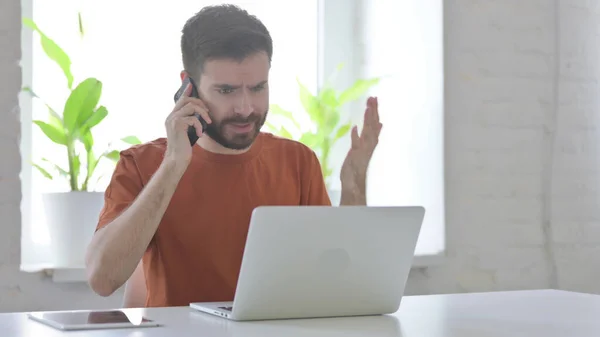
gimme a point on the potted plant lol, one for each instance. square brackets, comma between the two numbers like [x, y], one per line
[71, 216]
[324, 110]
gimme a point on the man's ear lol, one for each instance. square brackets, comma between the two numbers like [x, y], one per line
[183, 75]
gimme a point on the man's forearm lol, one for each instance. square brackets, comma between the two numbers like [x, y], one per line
[117, 248]
[353, 196]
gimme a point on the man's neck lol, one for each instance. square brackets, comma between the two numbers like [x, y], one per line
[210, 145]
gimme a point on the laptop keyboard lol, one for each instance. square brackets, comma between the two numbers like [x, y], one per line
[226, 308]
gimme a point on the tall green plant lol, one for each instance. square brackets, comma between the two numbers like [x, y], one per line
[73, 128]
[324, 110]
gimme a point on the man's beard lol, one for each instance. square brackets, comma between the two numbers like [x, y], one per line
[216, 131]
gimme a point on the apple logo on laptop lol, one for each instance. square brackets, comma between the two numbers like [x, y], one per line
[333, 261]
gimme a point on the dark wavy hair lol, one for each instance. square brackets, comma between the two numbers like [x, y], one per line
[222, 32]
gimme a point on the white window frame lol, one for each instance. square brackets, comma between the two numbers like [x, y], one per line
[342, 21]
[339, 22]
[26, 141]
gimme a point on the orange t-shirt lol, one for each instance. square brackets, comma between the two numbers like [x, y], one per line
[196, 253]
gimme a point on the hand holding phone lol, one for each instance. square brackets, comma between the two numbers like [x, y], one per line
[186, 123]
[192, 134]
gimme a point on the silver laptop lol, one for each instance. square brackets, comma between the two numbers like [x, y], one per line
[319, 261]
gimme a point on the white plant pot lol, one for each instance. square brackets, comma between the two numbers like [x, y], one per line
[335, 196]
[71, 218]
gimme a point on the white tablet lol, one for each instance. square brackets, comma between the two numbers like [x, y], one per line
[92, 319]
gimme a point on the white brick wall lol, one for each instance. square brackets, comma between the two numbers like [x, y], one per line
[521, 153]
[576, 164]
[522, 147]
[499, 94]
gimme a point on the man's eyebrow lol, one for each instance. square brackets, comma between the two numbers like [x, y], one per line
[261, 84]
[229, 86]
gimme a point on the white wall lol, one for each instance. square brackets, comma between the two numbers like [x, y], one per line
[521, 155]
[522, 139]
[575, 183]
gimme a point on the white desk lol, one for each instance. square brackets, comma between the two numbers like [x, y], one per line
[547, 313]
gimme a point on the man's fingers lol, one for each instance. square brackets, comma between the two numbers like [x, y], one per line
[372, 111]
[354, 135]
[191, 109]
[185, 98]
[205, 116]
[367, 122]
[371, 125]
[376, 109]
[193, 121]
[197, 101]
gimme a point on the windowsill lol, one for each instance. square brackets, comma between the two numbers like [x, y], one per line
[62, 275]
[429, 260]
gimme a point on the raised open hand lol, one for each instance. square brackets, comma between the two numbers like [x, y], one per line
[354, 169]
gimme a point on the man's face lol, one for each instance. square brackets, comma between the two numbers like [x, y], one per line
[237, 97]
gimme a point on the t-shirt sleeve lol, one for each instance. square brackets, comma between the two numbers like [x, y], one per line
[124, 187]
[315, 191]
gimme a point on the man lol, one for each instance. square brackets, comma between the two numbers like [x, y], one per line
[184, 211]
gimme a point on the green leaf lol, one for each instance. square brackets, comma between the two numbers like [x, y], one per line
[76, 169]
[342, 131]
[30, 91]
[359, 88]
[43, 171]
[330, 110]
[285, 133]
[132, 140]
[279, 111]
[309, 139]
[100, 178]
[113, 155]
[332, 118]
[81, 104]
[73, 166]
[328, 98]
[272, 128]
[310, 104]
[332, 77]
[53, 51]
[92, 163]
[88, 140]
[55, 134]
[60, 170]
[54, 118]
[97, 116]
[80, 21]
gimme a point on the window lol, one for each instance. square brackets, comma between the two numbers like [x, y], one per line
[403, 44]
[136, 54]
[137, 57]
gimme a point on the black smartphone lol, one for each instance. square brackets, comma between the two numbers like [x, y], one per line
[193, 137]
